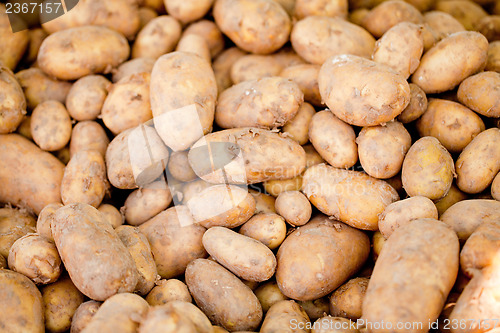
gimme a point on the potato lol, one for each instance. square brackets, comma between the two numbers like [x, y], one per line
[188, 11]
[493, 63]
[285, 314]
[378, 242]
[76, 222]
[465, 216]
[167, 291]
[222, 66]
[294, 207]
[442, 24]
[13, 44]
[51, 125]
[400, 48]
[210, 32]
[256, 26]
[133, 66]
[480, 249]
[305, 8]
[120, 312]
[111, 214]
[349, 196]
[222, 205]
[195, 44]
[306, 77]
[61, 299]
[317, 38]
[265, 103]
[44, 220]
[480, 93]
[452, 123]
[255, 261]
[306, 271]
[179, 168]
[403, 212]
[143, 204]
[366, 93]
[254, 67]
[382, 149]
[83, 315]
[86, 97]
[495, 187]
[453, 196]
[347, 300]
[29, 176]
[208, 283]
[263, 203]
[416, 107]
[466, 12]
[36, 257]
[160, 319]
[84, 179]
[315, 308]
[190, 190]
[288, 57]
[469, 50]
[184, 240]
[312, 156]
[15, 223]
[24, 127]
[479, 162]
[269, 294]
[263, 152]
[62, 155]
[331, 324]
[21, 302]
[333, 139]
[428, 169]
[267, 228]
[127, 104]
[276, 187]
[88, 135]
[12, 101]
[181, 116]
[432, 246]
[194, 314]
[146, 14]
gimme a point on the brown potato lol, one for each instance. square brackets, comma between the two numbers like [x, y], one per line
[428, 169]
[323, 266]
[256, 26]
[269, 294]
[285, 314]
[493, 63]
[83, 315]
[254, 67]
[86, 97]
[453, 196]
[21, 302]
[12, 101]
[179, 168]
[403, 212]
[210, 32]
[366, 93]
[495, 187]
[451, 123]
[470, 52]
[333, 139]
[416, 107]
[167, 291]
[188, 11]
[133, 66]
[13, 44]
[75, 222]
[143, 204]
[61, 299]
[88, 135]
[480, 93]
[316, 38]
[265, 103]
[442, 24]
[479, 162]
[222, 67]
[294, 207]
[15, 223]
[468, 13]
[347, 300]
[305, 8]
[349, 196]
[236, 310]
[29, 176]
[306, 77]
[44, 220]
[195, 44]
[331, 324]
[185, 240]
[51, 125]
[382, 149]
[263, 203]
[111, 214]
[432, 246]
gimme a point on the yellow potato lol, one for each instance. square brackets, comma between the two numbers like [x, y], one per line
[83, 315]
[276, 187]
[210, 32]
[143, 204]
[222, 67]
[86, 97]
[268, 294]
[188, 11]
[468, 13]
[305, 8]
[111, 214]
[12, 101]
[13, 44]
[442, 24]
[294, 207]
[51, 125]
[195, 44]
[133, 66]
[168, 290]
[306, 76]
[347, 300]
[480, 93]
[493, 63]
[88, 135]
[286, 314]
[453, 196]
[416, 107]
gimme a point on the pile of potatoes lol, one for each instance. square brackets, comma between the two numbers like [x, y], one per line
[209, 166]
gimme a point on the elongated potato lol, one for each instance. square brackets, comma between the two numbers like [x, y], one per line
[316, 38]
[208, 282]
[350, 196]
[479, 162]
[185, 240]
[168, 290]
[88, 135]
[256, 26]
[133, 66]
[12, 101]
[307, 272]
[347, 300]
[285, 314]
[86, 97]
[432, 246]
[107, 50]
[306, 77]
[21, 302]
[14, 44]
[294, 207]
[80, 232]
[362, 92]
[428, 169]
[143, 204]
[181, 116]
[83, 315]
[416, 107]
[29, 176]
[158, 37]
[267, 228]
[222, 67]
[194, 44]
[305, 8]
[266, 156]
[192, 312]
[480, 93]
[210, 32]
[51, 125]
[469, 50]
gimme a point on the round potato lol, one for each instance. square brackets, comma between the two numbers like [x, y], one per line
[12, 101]
[45, 218]
[480, 93]
[305, 8]
[143, 204]
[167, 291]
[306, 77]
[179, 168]
[86, 97]
[416, 107]
[195, 44]
[428, 169]
[287, 314]
[133, 66]
[88, 135]
[83, 315]
[188, 11]
[268, 294]
[111, 214]
[210, 32]
[294, 207]
[51, 125]
[347, 300]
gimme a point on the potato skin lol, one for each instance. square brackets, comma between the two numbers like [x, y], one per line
[256, 26]
[453, 196]
[143, 204]
[268, 294]
[480, 93]
[328, 324]
[432, 246]
[347, 300]
[493, 63]
[366, 93]
[13, 44]
[107, 50]
[158, 37]
[158, 319]
[479, 162]
[29, 176]
[451, 123]
[77, 222]
[21, 302]
[265, 103]
[305, 8]
[83, 315]
[470, 51]
[222, 65]
[255, 67]
[338, 193]
[168, 290]
[45, 219]
[316, 38]
[264, 203]
[326, 252]
[479, 251]
[495, 187]
[294, 207]
[416, 107]
[236, 310]
[111, 214]
[51, 125]
[210, 32]
[184, 245]
[284, 314]
[88, 135]
[12, 102]
[133, 66]
[178, 167]
[186, 11]
[86, 97]
[194, 44]
[428, 169]
[306, 77]
[468, 13]
[442, 24]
